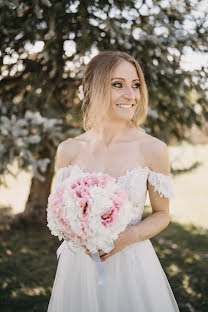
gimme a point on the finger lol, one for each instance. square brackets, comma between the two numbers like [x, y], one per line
[107, 255]
[101, 253]
[103, 258]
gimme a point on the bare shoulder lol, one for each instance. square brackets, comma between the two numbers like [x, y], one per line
[156, 153]
[65, 153]
[68, 150]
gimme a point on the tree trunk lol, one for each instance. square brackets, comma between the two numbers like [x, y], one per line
[35, 209]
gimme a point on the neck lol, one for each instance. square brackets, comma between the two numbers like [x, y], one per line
[111, 132]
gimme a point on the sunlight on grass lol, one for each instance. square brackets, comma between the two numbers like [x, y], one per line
[173, 269]
[4, 285]
[9, 252]
[14, 294]
[27, 251]
[36, 291]
[189, 260]
[188, 288]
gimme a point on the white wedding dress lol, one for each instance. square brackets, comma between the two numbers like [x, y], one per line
[135, 280]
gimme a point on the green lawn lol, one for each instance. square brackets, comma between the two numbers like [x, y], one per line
[28, 265]
[183, 253]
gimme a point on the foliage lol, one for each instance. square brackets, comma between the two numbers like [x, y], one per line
[23, 137]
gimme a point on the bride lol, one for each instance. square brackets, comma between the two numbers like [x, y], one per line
[115, 103]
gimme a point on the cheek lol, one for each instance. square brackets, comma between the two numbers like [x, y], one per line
[115, 95]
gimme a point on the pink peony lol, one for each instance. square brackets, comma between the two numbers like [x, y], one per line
[109, 217]
[58, 211]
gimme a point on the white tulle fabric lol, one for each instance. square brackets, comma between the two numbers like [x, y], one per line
[135, 280]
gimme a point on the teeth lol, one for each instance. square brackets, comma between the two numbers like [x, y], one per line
[125, 106]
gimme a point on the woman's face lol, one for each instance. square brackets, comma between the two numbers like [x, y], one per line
[125, 92]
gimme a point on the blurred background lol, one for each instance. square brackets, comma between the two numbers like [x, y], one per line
[44, 47]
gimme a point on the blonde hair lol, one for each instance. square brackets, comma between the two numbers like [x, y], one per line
[96, 87]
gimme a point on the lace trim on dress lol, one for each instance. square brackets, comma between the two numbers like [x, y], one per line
[61, 175]
[162, 184]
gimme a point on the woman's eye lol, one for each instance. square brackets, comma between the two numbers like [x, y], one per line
[136, 85]
[117, 85]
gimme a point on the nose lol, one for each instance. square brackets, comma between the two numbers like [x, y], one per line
[129, 93]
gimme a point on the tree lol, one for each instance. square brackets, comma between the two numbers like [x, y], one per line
[44, 48]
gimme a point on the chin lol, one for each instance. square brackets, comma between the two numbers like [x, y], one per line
[126, 118]
[124, 115]
[115, 114]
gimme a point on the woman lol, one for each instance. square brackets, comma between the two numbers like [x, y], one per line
[114, 106]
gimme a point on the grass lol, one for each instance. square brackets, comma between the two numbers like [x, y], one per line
[27, 270]
[28, 266]
[183, 253]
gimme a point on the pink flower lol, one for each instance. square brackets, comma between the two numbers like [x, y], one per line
[121, 194]
[81, 191]
[90, 180]
[85, 207]
[105, 179]
[56, 206]
[117, 203]
[55, 202]
[109, 217]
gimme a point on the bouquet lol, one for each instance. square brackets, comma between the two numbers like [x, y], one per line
[89, 211]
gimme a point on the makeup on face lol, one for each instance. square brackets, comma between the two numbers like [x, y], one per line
[125, 88]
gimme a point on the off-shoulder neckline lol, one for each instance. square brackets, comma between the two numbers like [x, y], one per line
[127, 171]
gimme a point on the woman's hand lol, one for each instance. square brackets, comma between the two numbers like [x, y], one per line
[124, 239]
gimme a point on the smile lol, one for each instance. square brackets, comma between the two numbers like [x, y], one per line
[125, 105]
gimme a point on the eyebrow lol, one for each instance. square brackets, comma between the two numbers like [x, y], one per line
[124, 79]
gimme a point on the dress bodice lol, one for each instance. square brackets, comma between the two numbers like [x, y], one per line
[134, 182]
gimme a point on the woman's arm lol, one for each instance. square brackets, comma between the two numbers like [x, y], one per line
[152, 225]
[160, 217]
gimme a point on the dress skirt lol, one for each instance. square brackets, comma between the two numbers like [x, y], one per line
[135, 282]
